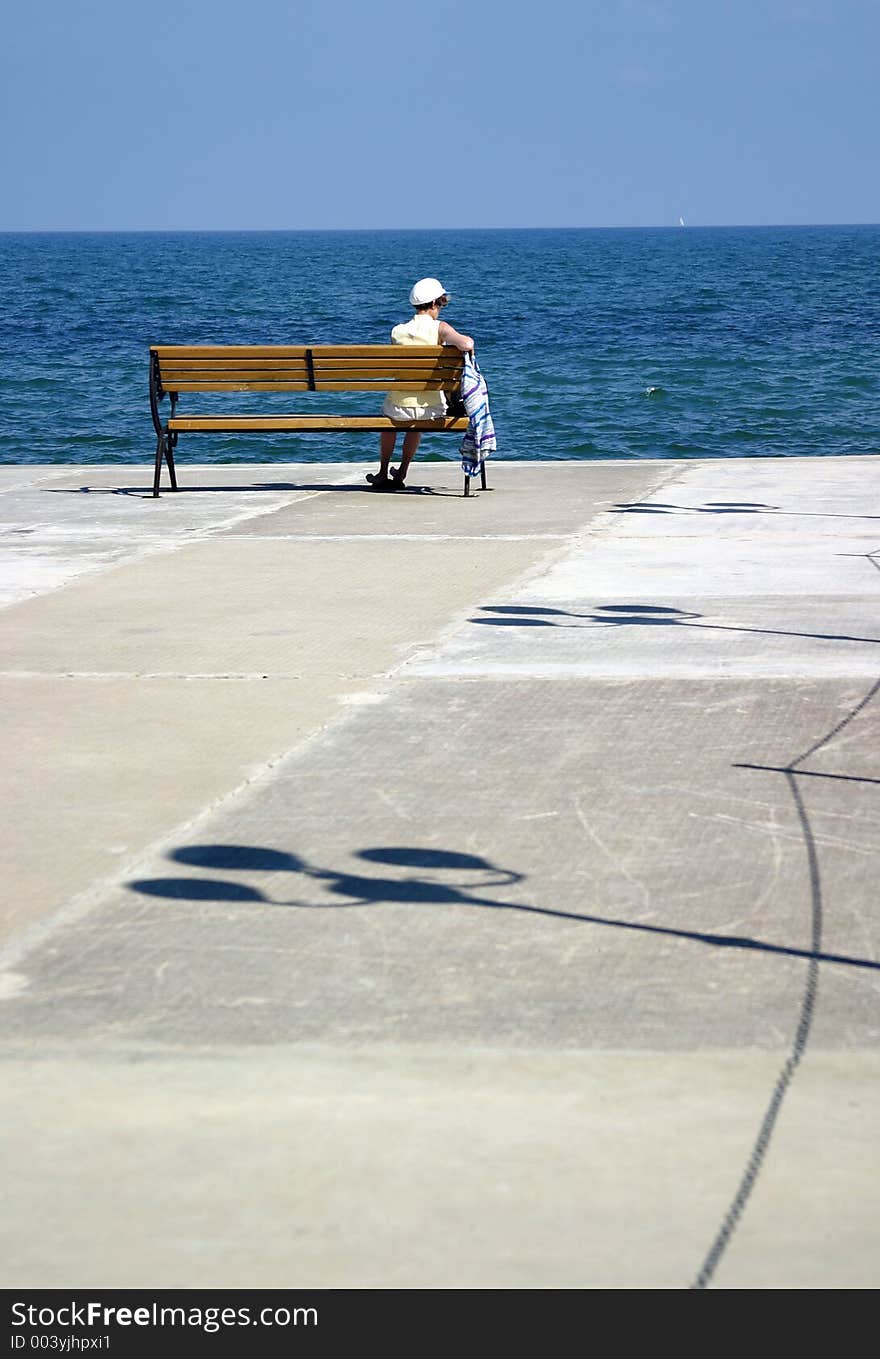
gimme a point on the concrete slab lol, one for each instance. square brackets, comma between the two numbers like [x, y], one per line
[557, 976]
[160, 692]
[123, 679]
[97, 767]
[531, 499]
[57, 526]
[656, 837]
[544, 635]
[244, 606]
[431, 1168]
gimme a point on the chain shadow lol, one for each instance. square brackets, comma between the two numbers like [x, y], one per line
[791, 773]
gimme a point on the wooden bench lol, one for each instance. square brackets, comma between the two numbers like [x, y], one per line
[375, 368]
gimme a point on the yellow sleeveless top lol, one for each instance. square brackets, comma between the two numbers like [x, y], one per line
[428, 403]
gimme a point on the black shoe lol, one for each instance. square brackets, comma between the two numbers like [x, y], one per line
[379, 481]
[398, 483]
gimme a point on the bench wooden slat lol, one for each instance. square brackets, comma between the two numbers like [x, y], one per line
[240, 385]
[397, 363]
[402, 355]
[169, 366]
[378, 371]
[377, 376]
[188, 380]
[410, 379]
[388, 374]
[282, 351]
[220, 424]
[328, 385]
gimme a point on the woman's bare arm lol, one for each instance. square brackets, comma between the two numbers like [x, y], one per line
[449, 336]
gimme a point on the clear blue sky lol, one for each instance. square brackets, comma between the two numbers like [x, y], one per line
[328, 113]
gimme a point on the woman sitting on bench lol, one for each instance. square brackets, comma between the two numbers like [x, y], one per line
[428, 297]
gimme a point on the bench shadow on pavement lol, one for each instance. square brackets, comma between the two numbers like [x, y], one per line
[146, 492]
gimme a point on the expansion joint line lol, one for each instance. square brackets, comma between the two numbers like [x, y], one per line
[807, 1010]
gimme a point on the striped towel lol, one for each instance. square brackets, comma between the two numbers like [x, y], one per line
[479, 440]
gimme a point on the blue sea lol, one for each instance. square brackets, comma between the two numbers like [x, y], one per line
[667, 343]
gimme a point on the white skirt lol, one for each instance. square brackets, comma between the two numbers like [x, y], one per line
[420, 406]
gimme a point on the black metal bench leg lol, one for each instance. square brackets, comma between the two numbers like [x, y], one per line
[160, 448]
[467, 480]
[169, 458]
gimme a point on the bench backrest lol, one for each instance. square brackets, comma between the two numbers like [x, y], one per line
[299, 368]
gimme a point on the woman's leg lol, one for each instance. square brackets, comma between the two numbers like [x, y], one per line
[411, 442]
[387, 440]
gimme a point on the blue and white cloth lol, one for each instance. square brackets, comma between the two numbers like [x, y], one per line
[479, 439]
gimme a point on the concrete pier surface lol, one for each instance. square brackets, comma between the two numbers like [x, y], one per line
[404, 891]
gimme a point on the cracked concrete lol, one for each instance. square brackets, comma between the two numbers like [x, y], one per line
[412, 892]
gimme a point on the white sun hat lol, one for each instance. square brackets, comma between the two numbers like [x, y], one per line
[426, 290]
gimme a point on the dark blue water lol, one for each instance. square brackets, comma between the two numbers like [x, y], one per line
[596, 344]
